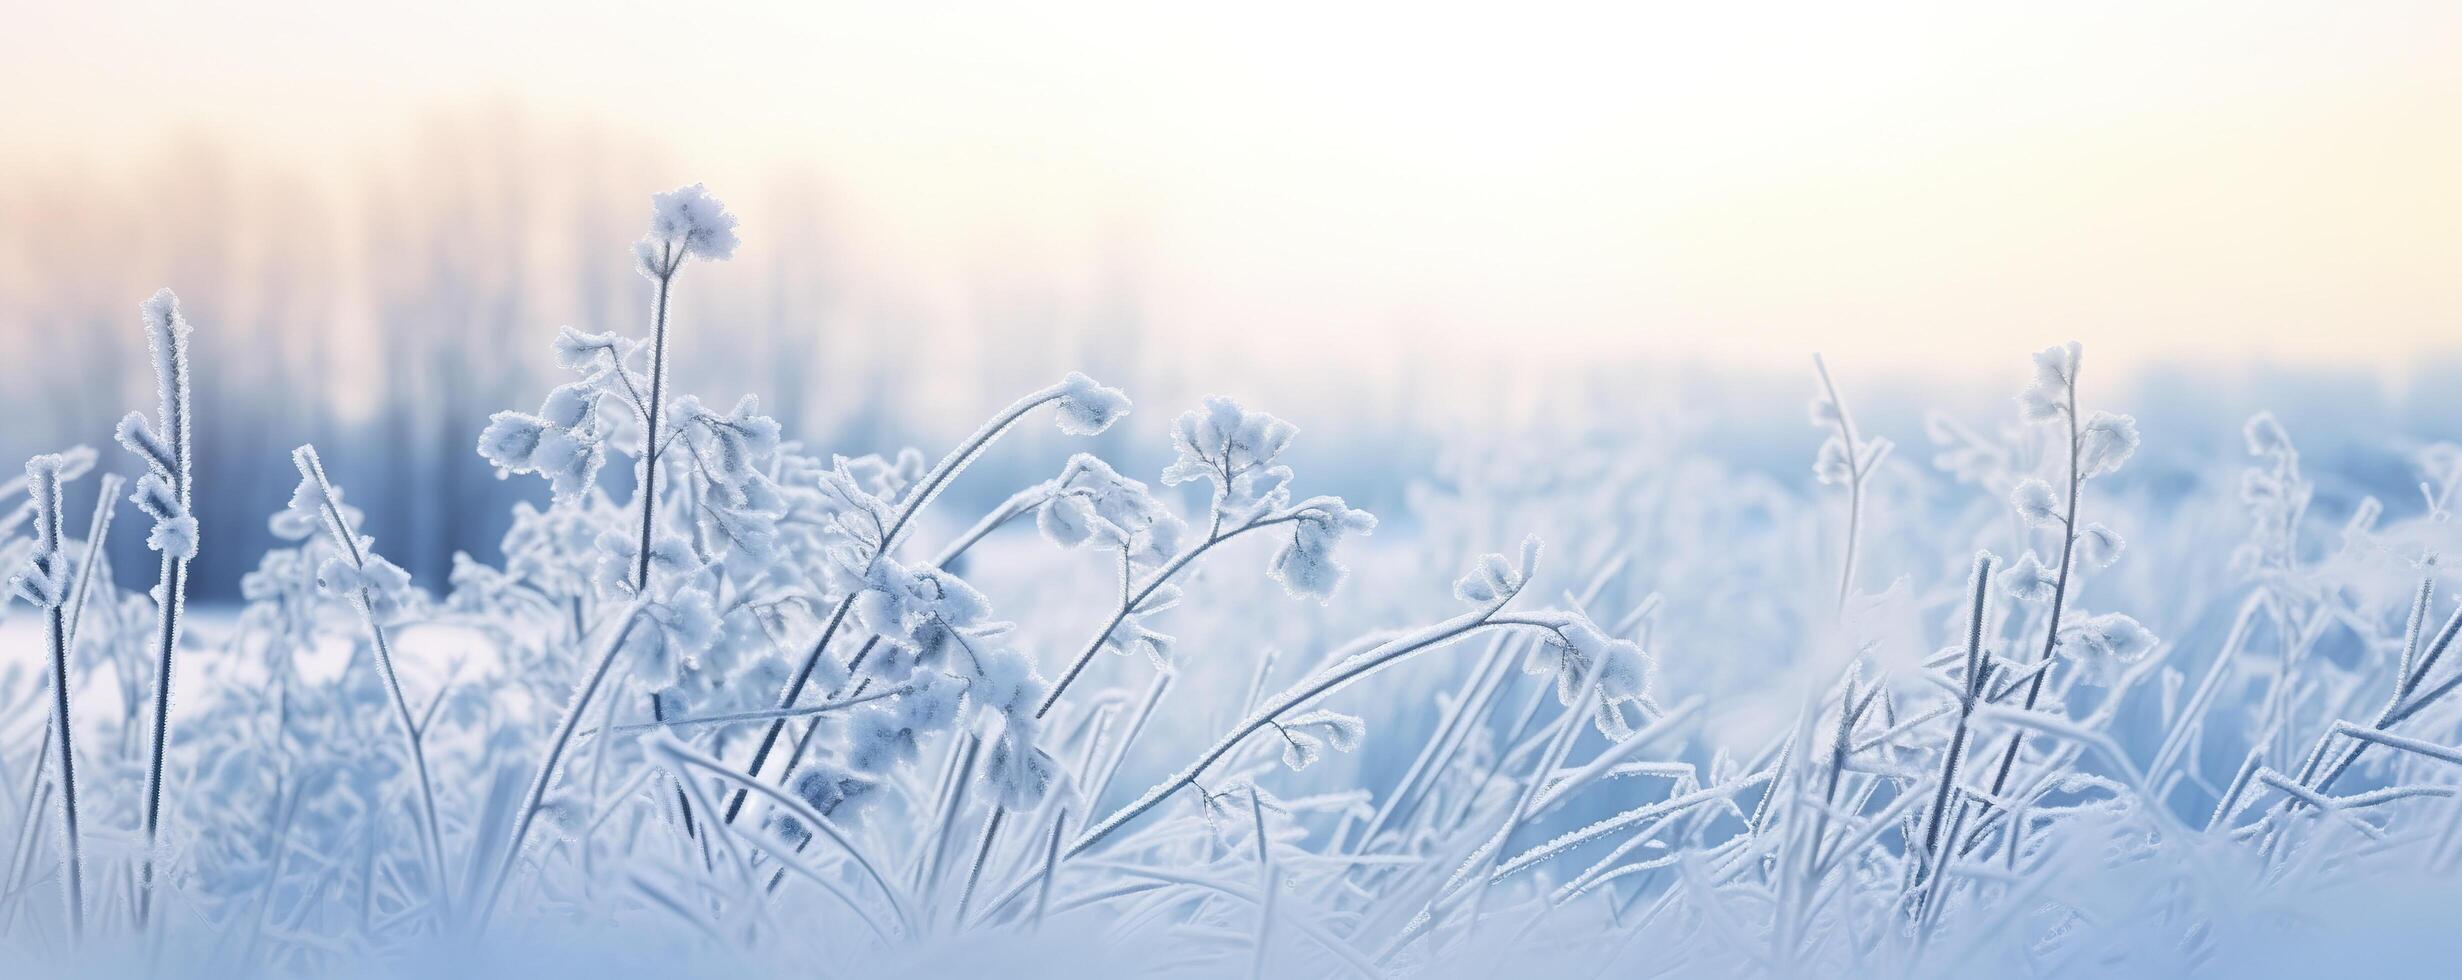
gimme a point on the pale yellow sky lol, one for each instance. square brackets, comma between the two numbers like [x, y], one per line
[1938, 184]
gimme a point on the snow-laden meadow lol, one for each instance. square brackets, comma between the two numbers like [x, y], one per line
[1972, 706]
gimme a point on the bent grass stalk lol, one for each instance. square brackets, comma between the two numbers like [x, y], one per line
[346, 544]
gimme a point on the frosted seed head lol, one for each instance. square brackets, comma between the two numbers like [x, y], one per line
[690, 220]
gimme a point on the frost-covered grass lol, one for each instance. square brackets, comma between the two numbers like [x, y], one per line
[764, 708]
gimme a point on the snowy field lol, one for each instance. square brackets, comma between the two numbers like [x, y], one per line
[2018, 688]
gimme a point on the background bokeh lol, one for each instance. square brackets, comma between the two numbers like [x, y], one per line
[1402, 226]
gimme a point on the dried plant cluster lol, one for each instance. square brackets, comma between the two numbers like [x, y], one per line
[761, 712]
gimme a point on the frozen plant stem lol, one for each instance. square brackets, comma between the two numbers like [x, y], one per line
[1325, 682]
[1967, 699]
[670, 259]
[346, 542]
[2060, 592]
[1129, 602]
[43, 483]
[1857, 467]
[166, 493]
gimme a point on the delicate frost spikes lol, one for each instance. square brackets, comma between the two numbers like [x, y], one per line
[2050, 394]
[1087, 408]
[2035, 503]
[163, 492]
[2105, 442]
[686, 221]
[44, 577]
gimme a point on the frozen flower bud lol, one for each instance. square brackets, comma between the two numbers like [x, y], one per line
[2106, 641]
[2105, 442]
[690, 220]
[1067, 519]
[2035, 503]
[1831, 465]
[1488, 580]
[510, 439]
[1306, 735]
[876, 741]
[1220, 442]
[1305, 564]
[2047, 396]
[1087, 408]
[175, 537]
[1132, 636]
[2266, 436]
[575, 350]
[2028, 579]
[2098, 545]
[570, 404]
